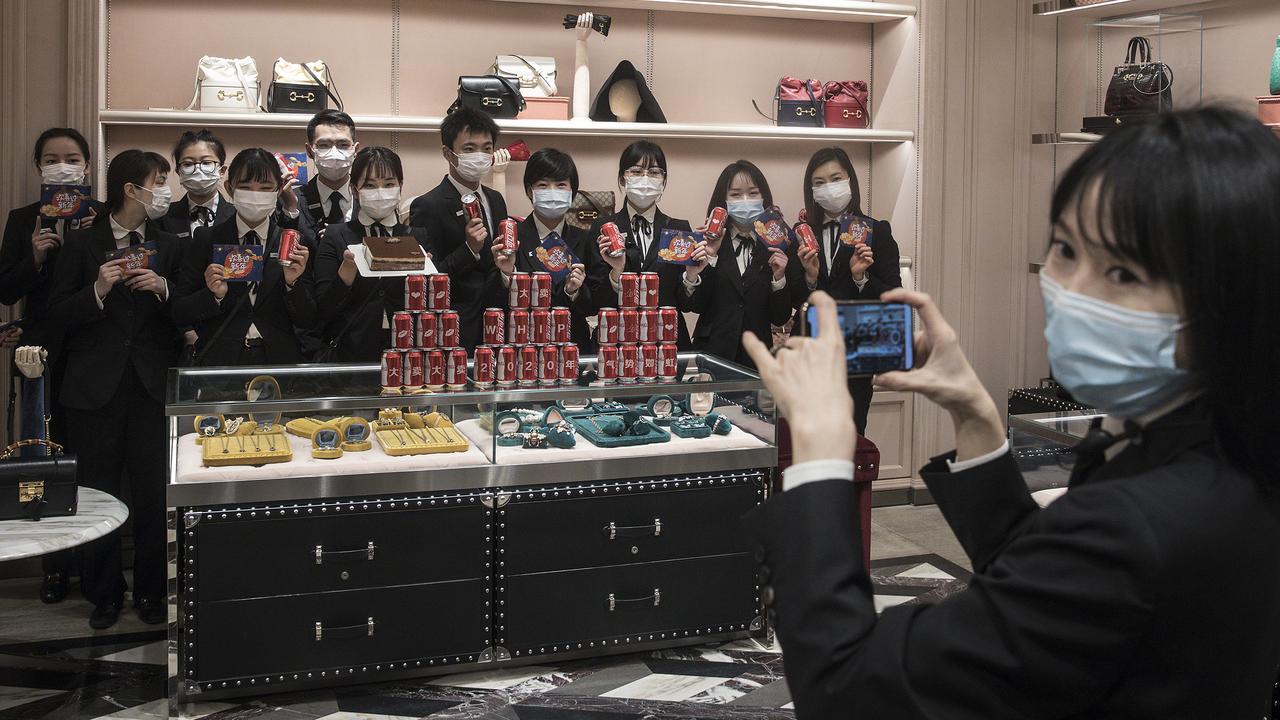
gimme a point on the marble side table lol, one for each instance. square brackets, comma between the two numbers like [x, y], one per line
[97, 514]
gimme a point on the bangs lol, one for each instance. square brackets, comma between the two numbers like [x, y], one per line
[254, 165]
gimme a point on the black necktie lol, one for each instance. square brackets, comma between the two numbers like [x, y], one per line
[641, 228]
[742, 245]
[335, 209]
[202, 215]
[135, 238]
[380, 230]
[833, 242]
[251, 238]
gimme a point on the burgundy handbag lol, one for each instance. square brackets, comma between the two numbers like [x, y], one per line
[796, 103]
[844, 104]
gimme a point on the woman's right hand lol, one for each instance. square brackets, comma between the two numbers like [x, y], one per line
[701, 256]
[504, 261]
[616, 264]
[42, 241]
[712, 243]
[214, 276]
[347, 270]
[809, 261]
[109, 273]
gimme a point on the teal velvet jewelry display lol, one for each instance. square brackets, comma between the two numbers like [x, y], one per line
[610, 431]
[1275, 69]
[689, 426]
[512, 439]
[561, 436]
[718, 423]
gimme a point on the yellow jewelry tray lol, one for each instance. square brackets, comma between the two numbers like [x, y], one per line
[257, 448]
[414, 434]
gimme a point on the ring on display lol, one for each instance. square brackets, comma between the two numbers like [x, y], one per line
[324, 444]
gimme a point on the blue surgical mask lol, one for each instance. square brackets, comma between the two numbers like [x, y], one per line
[744, 211]
[552, 203]
[1117, 360]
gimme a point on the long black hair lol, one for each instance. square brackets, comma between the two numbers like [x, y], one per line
[131, 167]
[731, 171]
[813, 212]
[1191, 197]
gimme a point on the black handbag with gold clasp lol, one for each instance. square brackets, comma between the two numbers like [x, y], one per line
[37, 487]
[492, 94]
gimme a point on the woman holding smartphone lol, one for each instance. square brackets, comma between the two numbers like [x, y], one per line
[1094, 606]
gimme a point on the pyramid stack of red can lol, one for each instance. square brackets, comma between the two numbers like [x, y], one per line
[426, 353]
[527, 343]
[638, 338]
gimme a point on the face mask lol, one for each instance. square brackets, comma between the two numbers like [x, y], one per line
[62, 174]
[834, 197]
[473, 166]
[334, 163]
[199, 181]
[254, 205]
[159, 204]
[1117, 360]
[643, 191]
[379, 203]
[744, 211]
[552, 203]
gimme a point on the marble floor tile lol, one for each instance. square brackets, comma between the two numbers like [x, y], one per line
[156, 653]
[342, 715]
[888, 601]
[14, 696]
[494, 679]
[925, 570]
[160, 709]
[672, 688]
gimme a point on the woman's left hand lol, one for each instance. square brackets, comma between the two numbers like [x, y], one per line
[577, 275]
[778, 263]
[861, 259]
[297, 263]
[289, 199]
[143, 279]
[809, 382]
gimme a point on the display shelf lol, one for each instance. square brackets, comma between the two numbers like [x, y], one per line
[1106, 8]
[562, 128]
[1068, 138]
[839, 10]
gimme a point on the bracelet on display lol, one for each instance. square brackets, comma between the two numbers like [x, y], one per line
[690, 426]
[510, 439]
[718, 423]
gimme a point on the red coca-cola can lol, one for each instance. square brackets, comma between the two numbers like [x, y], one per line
[426, 330]
[288, 241]
[568, 364]
[668, 327]
[415, 375]
[506, 366]
[667, 356]
[540, 290]
[519, 295]
[807, 240]
[548, 365]
[402, 330]
[629, 296]
[562, 324]
[715, 224]
[435, 369]
[607, 326]
[518, 328]
[540, 326]
[628, 363]
[649, 326]
[649, 290]
[471, 204]
[495, 326]
[415, 293]
[392, 369]
[629, 326]
[527, 371]
[438, 299]
[507, 236]
[647, 364]
[485, 371]
[607, 363]
[455, 369]
[447, 336]
[617, 244]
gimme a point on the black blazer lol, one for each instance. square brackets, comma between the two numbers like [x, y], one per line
[351, 317]
[883, 275]
[131, 329]
[729, 303]
[178, 220]
[313, 202]
[19, 278]
[1098, 606]
[440, 213]
[581, 308]
[279, 314]
[670, 286]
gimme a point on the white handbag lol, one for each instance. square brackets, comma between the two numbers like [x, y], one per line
[536, 75]
[227, 84]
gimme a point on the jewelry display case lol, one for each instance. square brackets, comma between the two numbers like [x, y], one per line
[327, 534]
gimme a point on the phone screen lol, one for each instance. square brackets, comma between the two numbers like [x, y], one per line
[877, 335]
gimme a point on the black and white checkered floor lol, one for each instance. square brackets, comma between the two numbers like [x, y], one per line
[123, 676]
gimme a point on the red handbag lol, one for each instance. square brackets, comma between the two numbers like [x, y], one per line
[845, 104]
[796, 103]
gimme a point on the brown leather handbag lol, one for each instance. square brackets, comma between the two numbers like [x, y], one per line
[589, 206]
[844, 104]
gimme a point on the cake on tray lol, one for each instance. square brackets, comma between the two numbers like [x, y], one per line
[393, 253]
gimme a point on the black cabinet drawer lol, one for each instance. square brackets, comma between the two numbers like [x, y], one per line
[262, 555]
[622, 523]
[278, 636]
[555, 610]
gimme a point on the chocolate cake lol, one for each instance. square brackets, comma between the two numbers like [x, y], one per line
[393, 253]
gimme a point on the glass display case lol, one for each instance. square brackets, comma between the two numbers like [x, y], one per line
[1043, 445]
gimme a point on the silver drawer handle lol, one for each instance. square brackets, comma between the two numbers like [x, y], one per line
[367, 551]
[656, 597]
[345, 630]
[614, 530]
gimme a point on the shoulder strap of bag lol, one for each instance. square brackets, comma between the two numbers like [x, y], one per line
[331, 346]
[777, 92]
[537, 71]
[815, 104]
[195, 93]
[324, 86]
[513, 87]
[218, 333]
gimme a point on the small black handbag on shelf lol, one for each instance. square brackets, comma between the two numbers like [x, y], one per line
[1139, 86]
[36, 487]
[493, 94]
[301, 88]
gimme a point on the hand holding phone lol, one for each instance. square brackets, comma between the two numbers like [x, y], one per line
[877, 335]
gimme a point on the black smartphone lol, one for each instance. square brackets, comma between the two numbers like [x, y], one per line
[17, 322]
[877, 335]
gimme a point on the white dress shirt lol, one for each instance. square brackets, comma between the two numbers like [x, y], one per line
[263, 229]
[345, 200]
[831, 244]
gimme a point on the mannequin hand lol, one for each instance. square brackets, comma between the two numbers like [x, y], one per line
[213, 279]
[30, 360]
[109, 273]
[778, 263]
[42, 241]
[476, 235]
[288, 198]
[9, 337]
[506, 262]
[573, 282]
[861, 259]
[584, 26]
[616, 264]
[347, 270]
[809, 261]
[501, 158]
[298, 263]
[809, 382]
[144, 280]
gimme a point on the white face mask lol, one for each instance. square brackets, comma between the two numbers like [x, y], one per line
[380, 203]
[834, 197]
[551, 203]
[643, 192]
[199, 181]
[473, 166]
[159, 204]
[253, 206]
[62, 174]
[334, 163]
